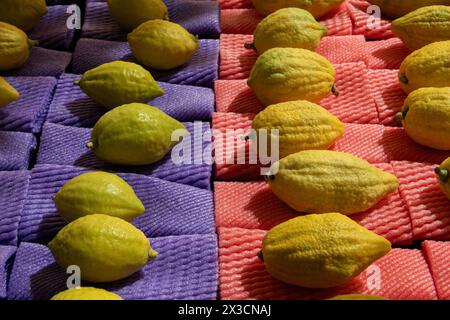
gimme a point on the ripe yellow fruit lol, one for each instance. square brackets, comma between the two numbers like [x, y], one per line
[302, 125]
[129, 14]
[320, 251]
[320, 181]
[162, 45]
[24, 14]
[98, 193]
[426, 117]
[318, 8]
[443, 175]
[288, 28]
[86, 293]
[14, 47]
[8, 93]
[398, 8]
[423, 26]
[426, 67]
[288, 74]
[357, 297]
[105, 248]
[134, 134]
[116, 83]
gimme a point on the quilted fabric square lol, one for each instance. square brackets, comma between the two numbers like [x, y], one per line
[186, 269]
[438, 257]
[15, 150]
[6, 257]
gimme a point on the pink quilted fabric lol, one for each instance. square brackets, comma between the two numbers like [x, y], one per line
[357, 9]
[404, 273]
[428, 207]
[235, 4]
[438, 257]
[245, 20]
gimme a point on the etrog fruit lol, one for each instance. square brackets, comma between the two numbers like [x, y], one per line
[116, 83]
[8, 93]
[105, 248]
[24, 14]
[86, 293]
[426, 67]
[162, 45]
[288, 74]
[399, 8]
[98, 192]
[134, 134]
[301, 125]
[14, 47]
[320, 251]
[357, 297]
[426, 117]
[318, 8]
[129, 14]
[288, 28]
[320, 181]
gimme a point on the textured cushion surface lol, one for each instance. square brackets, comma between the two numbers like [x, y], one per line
[6, 257]
[15, 150]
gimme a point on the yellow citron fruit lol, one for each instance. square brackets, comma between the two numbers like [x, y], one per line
[301, 125]
[129, 14]
[320, 251]
[288, 28]
[162, 45]
[426, 117]
[318, 8]
[7, 93]
[14, 47]
[399, 8]
[134, 134]
[357, 297]
[98, 192]
[443, 174]
[320, 181]
[86, 293]
[105, 248]
[288, 74]
[423, 26]
[426, 67]
[24, 14]
[116, 83]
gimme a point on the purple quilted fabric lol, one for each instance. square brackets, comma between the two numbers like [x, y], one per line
[6, 257]
[70, 106]
[64, 145]
[28, 113]
[52, 31]
[13, 191]
[201, 71]
[43, 62]
[171, 208]
[15, 150]
[198, 17]
[186, 269]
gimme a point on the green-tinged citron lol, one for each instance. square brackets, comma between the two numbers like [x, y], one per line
[162, 45]
[443, 175]
[426, 67]
[24, 14]
[288, 74]
[134, 134]
[320, 181]
[320, 251]
[129, 14]
[116, 83]
[8, 93]
[105, 248]
[423, 26]
[357, 297]
[301, 125]
[399, 8]
[288, 28]
[426, 117]
[86, 293]
[318, 8]
[14, 47]
[98, 192]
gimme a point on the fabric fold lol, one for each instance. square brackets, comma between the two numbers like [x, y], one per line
[6, 259]
[16, 149]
